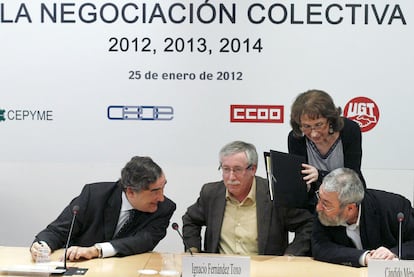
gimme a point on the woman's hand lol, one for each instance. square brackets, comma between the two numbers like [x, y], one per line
[311, 174]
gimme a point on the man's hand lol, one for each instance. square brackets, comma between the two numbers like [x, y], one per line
[381, 253]
[76, 253]
[34, 249]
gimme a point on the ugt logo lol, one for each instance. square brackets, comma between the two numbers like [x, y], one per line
[364, 111]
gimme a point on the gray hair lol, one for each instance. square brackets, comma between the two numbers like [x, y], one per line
[139, 173]
[235, 147]
[346, 183]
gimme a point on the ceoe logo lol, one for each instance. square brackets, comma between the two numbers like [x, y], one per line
[256, 113]
[363, 111]
[140, 112]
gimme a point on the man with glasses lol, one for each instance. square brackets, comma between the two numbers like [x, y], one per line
[356, 225]
[238, 215]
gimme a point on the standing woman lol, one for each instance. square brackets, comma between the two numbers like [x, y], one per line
[324, 137]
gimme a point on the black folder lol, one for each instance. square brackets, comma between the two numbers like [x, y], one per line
[289, 188]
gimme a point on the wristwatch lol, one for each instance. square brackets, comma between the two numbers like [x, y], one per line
[97, 246]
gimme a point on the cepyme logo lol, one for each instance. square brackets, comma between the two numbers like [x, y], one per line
[25, 115]
[364, 111]
[2, 118]
[256, 113]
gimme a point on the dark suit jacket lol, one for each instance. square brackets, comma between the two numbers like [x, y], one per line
[378, 227]
[273, 223]
[100, 205]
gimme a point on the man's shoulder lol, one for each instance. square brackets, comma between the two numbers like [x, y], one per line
[384, 203]
[381, 193]
[102, 185]
[380, 196]
[212, 185]
[213, 188]
[101, 188]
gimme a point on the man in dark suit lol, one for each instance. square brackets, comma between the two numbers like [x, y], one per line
[239, 216]
[136, 201]
[356, 225]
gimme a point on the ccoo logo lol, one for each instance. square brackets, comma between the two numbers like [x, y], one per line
[364, 111]
[256, 113]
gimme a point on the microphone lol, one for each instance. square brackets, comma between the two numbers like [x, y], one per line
[400, 218]
[175, 227]
[75, 211]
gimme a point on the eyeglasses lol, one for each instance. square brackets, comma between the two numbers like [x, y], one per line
[317, 127]
[236, 170]
[324, 206]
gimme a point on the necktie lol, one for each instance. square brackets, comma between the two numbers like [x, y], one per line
[131, 221]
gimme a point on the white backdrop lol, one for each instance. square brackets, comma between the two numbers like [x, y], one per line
[64, 77]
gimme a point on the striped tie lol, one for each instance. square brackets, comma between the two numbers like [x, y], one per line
[131, 221]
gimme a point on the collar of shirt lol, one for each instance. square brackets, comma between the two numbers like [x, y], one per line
[125, 206]
[250, 198]
[354, 226]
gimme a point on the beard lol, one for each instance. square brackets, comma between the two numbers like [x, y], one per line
[338, 220]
